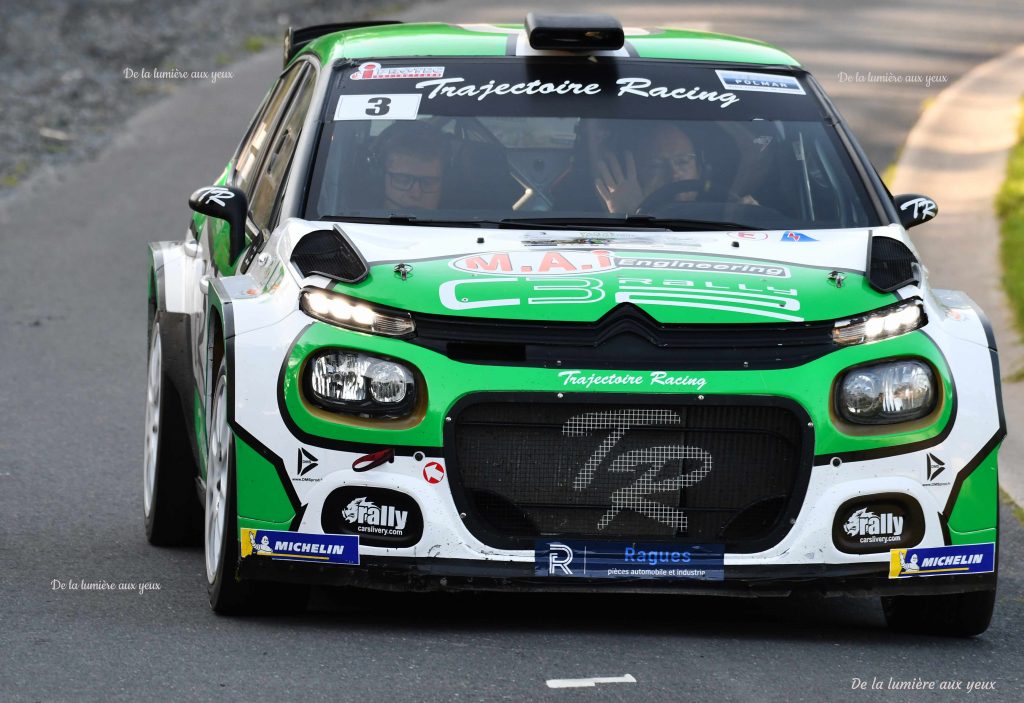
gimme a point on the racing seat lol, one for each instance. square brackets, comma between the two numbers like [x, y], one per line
[480, 178]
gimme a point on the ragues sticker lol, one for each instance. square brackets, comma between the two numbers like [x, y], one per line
[629, 560]
[381, 517]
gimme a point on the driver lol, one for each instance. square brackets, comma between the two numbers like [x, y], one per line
[412, 157]
[664, 155]
[666, 158]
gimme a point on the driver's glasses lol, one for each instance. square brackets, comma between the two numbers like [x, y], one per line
[405, 181]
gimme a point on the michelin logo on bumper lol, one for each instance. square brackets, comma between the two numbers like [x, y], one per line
[942, 561]
[631, 560]
[300, 546]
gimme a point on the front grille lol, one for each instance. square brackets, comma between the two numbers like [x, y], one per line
[532, 467]
[625, 332]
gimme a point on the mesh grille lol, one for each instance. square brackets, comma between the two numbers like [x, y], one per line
[694, 472]
[328, 253]
[892, 264]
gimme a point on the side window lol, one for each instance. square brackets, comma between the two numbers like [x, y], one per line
[256, 143]
[274, 169]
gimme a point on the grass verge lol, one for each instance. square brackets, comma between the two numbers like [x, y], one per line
[1018, 512]
[1010, 209]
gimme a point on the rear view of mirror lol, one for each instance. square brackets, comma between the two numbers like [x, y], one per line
[225, 203]
[915, 209]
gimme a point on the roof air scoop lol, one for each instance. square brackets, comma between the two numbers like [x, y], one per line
[567, 32]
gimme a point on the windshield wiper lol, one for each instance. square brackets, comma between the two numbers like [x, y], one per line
[632, 222]
[570, 223]
[678, 224]
[603, 223]
[409, 220]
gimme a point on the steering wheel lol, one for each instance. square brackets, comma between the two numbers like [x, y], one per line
[668, 192]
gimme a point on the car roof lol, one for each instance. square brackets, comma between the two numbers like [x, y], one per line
[440, 39]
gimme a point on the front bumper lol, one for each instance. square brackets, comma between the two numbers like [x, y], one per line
[449, 555]
[425, 575]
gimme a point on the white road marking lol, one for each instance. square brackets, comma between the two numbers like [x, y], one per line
[592, 681]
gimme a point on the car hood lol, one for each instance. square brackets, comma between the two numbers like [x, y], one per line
[676, 277]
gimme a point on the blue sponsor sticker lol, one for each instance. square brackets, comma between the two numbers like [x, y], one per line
[942, 561]
[629, 560]
[300, 546]
[796, 237]
[760, 82]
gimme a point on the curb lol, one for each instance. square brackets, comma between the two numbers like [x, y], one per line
[957, 154]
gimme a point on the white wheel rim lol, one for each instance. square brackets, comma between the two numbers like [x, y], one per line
[216, 479]
[152, 442]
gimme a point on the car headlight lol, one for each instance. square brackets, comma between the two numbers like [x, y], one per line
[353, 314]
[343, 380]
[895, 391]
[891, 321]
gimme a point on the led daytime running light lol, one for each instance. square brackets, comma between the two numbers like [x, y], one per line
[881, 324]
[353, 314]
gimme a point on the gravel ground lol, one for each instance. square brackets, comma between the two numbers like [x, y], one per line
[64, 87]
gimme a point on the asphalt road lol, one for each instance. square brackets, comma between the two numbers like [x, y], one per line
[72, 349]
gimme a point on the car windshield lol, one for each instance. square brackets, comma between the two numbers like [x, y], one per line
[587, 141]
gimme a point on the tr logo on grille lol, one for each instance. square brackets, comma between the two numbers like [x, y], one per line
[634, 497]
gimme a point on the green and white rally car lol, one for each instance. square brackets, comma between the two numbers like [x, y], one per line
[564, 306]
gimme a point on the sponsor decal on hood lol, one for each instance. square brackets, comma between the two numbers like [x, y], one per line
[573, 262]
[728, 279]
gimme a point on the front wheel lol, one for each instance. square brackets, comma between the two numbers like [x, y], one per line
[229, 595]
[958, 614]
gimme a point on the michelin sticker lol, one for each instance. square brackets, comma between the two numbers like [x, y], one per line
[631, 560]
[953, 560]
[300, 546]
[760, 82]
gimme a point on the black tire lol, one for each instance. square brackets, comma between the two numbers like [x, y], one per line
[957, 614]
[228, 594]
[170, 504]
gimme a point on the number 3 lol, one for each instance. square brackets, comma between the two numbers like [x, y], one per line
[378, 106]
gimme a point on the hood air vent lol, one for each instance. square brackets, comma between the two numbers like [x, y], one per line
[891, 264]
[328, 252]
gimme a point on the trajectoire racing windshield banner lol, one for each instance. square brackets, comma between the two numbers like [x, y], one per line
[405, 89]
